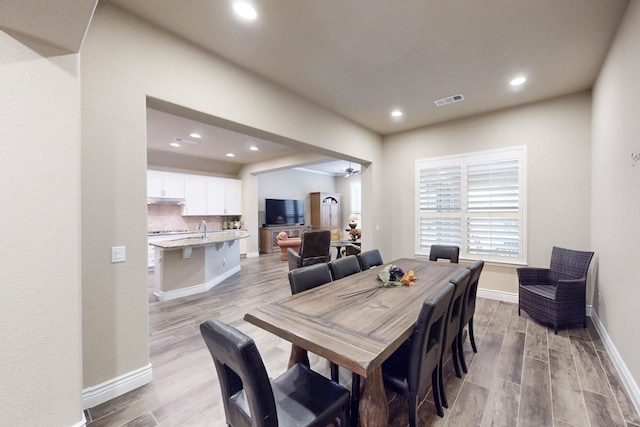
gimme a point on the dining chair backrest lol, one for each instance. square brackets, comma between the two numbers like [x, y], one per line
[449, 252]
[460, 281]
[428, 336]
[308, 277]
[242, 376]
[343, 267]
[370, 258]
[407, 370]
[469, 307]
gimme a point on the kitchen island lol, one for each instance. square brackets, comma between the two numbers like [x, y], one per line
[193, 265]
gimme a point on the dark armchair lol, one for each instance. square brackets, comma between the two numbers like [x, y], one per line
[556, 295]
[314, 249]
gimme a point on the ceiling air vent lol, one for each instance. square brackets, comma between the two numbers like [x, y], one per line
[448, 100]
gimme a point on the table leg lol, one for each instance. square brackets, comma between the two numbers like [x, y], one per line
[374, 410]
[298, 355]
[339, 255]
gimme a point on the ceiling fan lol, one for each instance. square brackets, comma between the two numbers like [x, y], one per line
[350, 171]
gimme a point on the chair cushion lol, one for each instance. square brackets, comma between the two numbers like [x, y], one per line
[305, 397]
[545, 291]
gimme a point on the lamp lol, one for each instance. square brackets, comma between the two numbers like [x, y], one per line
[353, 218]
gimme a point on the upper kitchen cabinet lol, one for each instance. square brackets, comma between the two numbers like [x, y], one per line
[195, 195]
[224, 196]
[165, 185]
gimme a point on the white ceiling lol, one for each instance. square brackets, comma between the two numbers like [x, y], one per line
[363, 58]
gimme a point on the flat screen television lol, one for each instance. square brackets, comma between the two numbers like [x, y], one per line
[283, 212]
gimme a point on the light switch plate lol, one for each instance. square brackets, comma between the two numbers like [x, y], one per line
[118, 254]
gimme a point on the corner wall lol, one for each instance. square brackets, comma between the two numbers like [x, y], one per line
[556, 133]
[124, 61]
[40, 311]
[615, 190]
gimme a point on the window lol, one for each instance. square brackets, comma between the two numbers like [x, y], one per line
[475, 201]
[356, 201]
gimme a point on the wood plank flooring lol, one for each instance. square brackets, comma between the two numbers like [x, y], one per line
[522, 375]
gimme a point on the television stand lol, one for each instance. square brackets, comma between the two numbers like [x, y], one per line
[269, 235]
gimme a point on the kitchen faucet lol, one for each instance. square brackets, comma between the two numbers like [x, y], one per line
[203, 225]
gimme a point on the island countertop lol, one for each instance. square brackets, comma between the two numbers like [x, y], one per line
[212, 237]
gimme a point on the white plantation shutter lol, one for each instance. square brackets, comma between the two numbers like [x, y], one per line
[475, 202]
[440, 203]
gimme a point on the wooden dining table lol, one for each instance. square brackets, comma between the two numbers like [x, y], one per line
[357, 331]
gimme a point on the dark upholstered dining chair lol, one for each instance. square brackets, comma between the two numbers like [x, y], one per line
[370, 258]
[314, 249]
[407, 370]
[556, 295]
[469, 309]
[308, 277]
[452, 327]
[449, 252]
[298, 397]
[345, 266]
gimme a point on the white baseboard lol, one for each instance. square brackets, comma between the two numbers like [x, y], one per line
[197, 289]
[498, 295]
[93, 396]
[627, 379]
[82, 422]
[252, 254]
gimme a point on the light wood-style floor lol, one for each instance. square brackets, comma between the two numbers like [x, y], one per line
[522, 375]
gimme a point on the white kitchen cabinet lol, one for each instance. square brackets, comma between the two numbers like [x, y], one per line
[195, 195]
[215, 197]
[233, 197]
[165, 185]
[224, 196]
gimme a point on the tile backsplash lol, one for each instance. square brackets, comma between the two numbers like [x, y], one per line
[168, 217]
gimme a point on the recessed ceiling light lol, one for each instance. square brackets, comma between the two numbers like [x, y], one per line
[174, 144]
[253, 148]
[245, 10]
[396, 113]
[230, 155]
[195, 135]
[518, 81]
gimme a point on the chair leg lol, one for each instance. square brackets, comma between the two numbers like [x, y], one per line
[335, 375]
[460, 351]
[435, 390]
[454, 357]
[413, 410]
[471, 337]
[443, 397]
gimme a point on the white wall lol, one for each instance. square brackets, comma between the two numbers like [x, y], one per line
[124, 61]
[292, 184]
[616, 189]
[40, 344]
[557, 136]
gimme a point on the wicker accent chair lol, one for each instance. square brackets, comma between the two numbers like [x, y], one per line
[314, 249]
[449, 252]
[556, 295]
